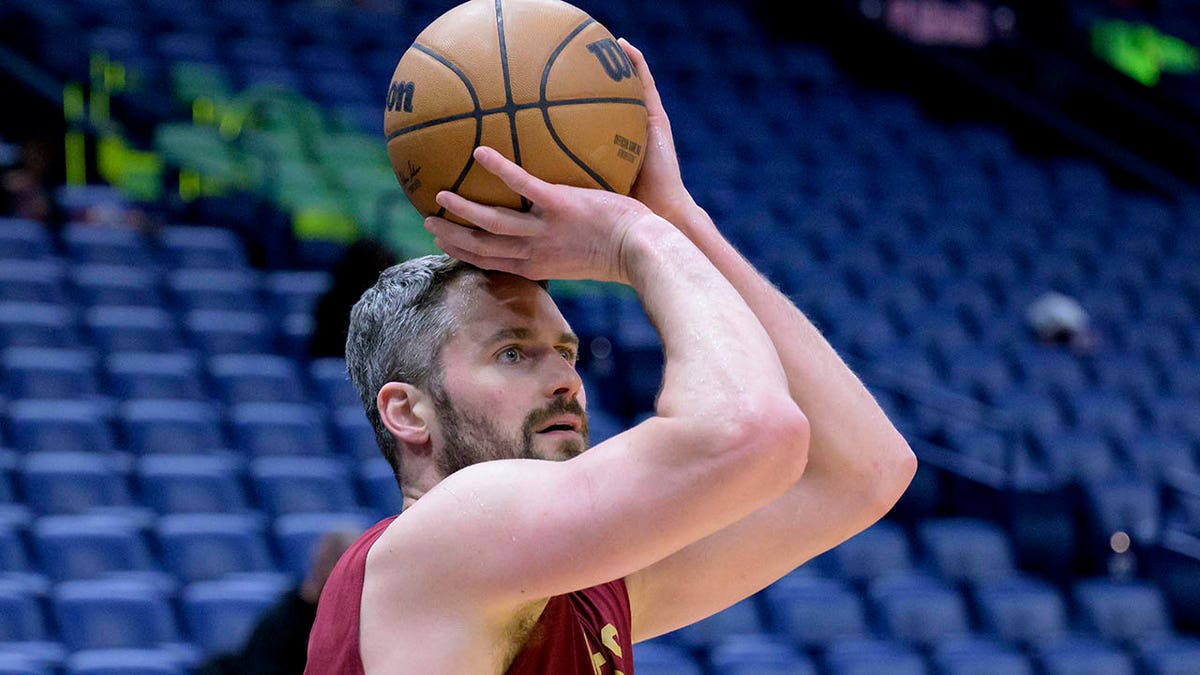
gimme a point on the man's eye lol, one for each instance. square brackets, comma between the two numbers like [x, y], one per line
[567, 354]
[510, 355]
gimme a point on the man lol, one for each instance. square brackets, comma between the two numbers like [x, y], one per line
[764, 449]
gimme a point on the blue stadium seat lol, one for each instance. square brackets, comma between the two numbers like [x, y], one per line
[660, 658]
[88, 546]
[297, 533]
[107, 613]
[184, 46]
[329, 86]
[77, 200]
[215, 289]
[124, 662]
[257, 378]
[1054, 372]
[22, 618]
[14, 529]
[285, 484]
[355, 435]
[295, 291]
[1175, 413]
[1021, 610]
[189, 483]
[333, 382]
[1033, 411]
[120, 285]
[1079, 455]
[758, 654]
[262, 429]
[40, 281]
[94, 244]
[873, 656]
[229, 331]
[979, 656]
[1076, 655]
[1114, 414]
[168, 426]
[1177, 655]
[221, 614]
[966, 550]
[152, 375]
[72, 482]
[40, 373]
[121, 328]
[203, 246]
[24, 239]
[1122, 613]
[741, 618]
[38, 324]
[1158, 455]
[258, 51]
[879, 550]
[201, 547]
[378, 485]
[17, 663]
[814, 610]
[1129, 504]
[918, 609]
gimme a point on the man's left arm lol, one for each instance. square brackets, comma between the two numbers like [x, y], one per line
[859, 464]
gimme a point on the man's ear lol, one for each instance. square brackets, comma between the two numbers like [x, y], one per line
[401, 406]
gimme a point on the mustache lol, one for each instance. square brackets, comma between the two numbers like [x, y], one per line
[560, 406]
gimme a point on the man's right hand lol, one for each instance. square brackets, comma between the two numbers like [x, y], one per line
[569, 233]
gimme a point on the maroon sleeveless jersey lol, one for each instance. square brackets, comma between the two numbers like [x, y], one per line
[581, 633]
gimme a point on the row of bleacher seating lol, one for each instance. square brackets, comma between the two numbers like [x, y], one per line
[63, 482]
[952, 581]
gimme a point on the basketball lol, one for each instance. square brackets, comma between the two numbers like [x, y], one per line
[540, 81]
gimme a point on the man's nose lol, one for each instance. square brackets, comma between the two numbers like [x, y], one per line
[564, 379]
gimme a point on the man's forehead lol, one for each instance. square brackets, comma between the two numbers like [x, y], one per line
[482, 300]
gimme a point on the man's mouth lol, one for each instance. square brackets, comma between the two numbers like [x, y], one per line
[560, 425]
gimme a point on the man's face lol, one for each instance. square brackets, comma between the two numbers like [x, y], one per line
[509, 387]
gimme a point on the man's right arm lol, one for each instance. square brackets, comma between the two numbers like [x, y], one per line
[726, 438]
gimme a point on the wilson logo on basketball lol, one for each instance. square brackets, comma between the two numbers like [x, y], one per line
[400, 96]
[612, 58]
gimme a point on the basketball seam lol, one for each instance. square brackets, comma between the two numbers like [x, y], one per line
[462, 176]
[516, 107]
[508, 94]
[546, 110]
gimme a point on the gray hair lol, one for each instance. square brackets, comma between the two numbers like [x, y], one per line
[397, 331]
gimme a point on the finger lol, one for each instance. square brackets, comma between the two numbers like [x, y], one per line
[485, 262]
[478, 242]
[517, 179]
[653, 100]
[494, 219]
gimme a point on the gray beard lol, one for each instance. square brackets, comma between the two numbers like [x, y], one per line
[471, 438]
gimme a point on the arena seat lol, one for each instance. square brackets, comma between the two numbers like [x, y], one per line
[207, 546]
[263, 429]
[289, 484]
[72, 481]
[758, 654]
[41, 280]
[192, 483]
[125, 662]
[87, 546]
[220, 614]
[155, 376]
[121, 285]
[169, 426]
[813, 610]
[106, 613]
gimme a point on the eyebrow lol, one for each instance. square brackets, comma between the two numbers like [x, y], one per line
[566, 337]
